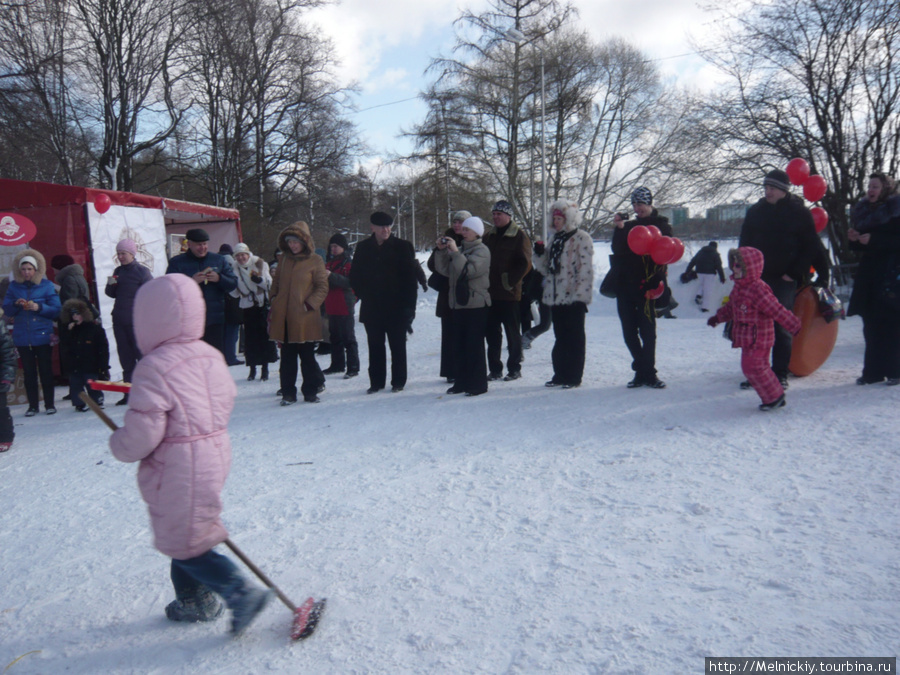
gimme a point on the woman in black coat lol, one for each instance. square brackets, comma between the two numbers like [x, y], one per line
[876, 232]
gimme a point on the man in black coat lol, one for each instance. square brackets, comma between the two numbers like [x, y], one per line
[215, 276]
[782, 228]
[383, 276]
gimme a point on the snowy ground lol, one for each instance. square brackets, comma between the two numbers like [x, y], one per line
[596, 530]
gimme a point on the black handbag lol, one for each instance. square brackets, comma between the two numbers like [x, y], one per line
[609, 285]
[438, 282]
[462, 287]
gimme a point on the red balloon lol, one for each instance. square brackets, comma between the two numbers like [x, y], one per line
[654, 230]
[656, 292]
[797, 170]
[102, 203]
[640, 239]
[679, 251]
[662, 249]
[815, 188]
[820, 217]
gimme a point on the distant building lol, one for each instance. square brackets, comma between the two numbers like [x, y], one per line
[677, 214]
[735, 210]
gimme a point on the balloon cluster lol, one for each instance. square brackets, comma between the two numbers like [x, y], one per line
[814, 188]
[648, 240]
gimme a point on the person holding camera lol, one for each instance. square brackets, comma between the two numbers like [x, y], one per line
[32, 302]
[467, 266]
[441, 284]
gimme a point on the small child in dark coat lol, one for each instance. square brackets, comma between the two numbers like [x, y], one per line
[88, 350]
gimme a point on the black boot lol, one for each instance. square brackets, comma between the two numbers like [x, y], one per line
[252, 375]
[264, 375]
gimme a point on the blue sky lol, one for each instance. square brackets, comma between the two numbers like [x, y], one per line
[385, 48]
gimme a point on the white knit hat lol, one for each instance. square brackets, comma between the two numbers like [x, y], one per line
[28, 259]
[475, 224]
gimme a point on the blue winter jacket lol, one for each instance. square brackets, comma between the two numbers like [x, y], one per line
[213, 293]
[32, 329]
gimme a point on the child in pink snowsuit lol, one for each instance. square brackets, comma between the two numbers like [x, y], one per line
[176, 425]
[753, 308]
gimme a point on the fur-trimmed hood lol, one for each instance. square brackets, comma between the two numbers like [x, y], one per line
[301, 230]
[751, 259]
[570, 210]
[41, 272]
[75, 306]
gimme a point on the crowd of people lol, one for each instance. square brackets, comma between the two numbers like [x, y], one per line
[486, 278]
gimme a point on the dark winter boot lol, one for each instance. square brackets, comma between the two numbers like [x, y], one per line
[123, 400]
[252, 375]
[245, 605]
[204, 606]
[264, 373]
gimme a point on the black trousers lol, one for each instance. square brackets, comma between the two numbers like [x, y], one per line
[126, 346]
[881, 330]
[785, 291]
[569, 348]
[639, 331]
[469, 326]
[7, 430]
[504, 314]
[448, 346]
[344, 348]
[309, 370]
[38, 361]
[214, 335]
[377, 331]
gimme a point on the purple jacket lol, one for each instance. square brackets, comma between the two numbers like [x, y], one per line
[129, 278]
[177, 421]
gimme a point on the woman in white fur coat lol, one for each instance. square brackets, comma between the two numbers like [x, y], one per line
[254, 283]
[567, 265]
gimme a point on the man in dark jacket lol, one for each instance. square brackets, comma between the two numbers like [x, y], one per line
[383, 276]
[510, 251]
[214, 276]
[782, 228]
[706, 264]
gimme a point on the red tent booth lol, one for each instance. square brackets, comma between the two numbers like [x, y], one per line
[68, 219]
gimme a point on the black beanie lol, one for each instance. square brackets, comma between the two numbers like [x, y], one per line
[225, 249]
[57, 262]
[340, 240]
[778, 179]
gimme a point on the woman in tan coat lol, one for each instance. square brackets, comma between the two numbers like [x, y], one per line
[299, 288]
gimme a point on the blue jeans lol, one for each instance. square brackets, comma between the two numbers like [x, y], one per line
[210, 569]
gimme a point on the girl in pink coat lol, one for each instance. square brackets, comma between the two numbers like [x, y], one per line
[753, 308]
[177, 428]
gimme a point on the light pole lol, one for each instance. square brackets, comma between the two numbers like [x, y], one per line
[519, 38]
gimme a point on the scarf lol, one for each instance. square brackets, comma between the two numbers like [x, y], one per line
[556, 249]
[250, 293]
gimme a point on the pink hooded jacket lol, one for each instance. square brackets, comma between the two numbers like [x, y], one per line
[177, 421]
[752, 305]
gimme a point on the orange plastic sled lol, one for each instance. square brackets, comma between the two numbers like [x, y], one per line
[813, 345]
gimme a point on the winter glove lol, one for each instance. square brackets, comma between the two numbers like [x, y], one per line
[424, 287]
[103, 373]
[651, 283]
[504, 279]
[255, 278]
[409, 316]
[712, 322]
[539, 247]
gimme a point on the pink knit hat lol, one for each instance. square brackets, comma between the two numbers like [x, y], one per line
[128, 246]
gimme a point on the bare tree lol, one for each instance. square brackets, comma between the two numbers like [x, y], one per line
[817, 79]
[36, 119]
